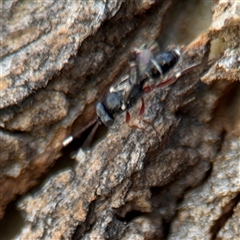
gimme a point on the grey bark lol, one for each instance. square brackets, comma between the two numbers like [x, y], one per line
[174, 173]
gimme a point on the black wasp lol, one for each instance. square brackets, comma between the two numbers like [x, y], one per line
[147, 68]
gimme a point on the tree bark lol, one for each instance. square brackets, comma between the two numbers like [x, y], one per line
[172, 173]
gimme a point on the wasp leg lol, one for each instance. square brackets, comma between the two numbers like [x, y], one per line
[171, 80]
[142, 109]
[128, 117]
[178, 75]
[141, 112]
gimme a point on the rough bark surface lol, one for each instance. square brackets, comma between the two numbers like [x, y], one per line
[172, 174]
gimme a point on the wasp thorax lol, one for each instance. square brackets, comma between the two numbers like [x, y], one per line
[113, 101]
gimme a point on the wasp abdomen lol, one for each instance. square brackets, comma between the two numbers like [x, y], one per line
[167, 60]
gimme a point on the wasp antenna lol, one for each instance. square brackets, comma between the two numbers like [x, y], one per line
[89, 138]
[77, 134]
[67, 140]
